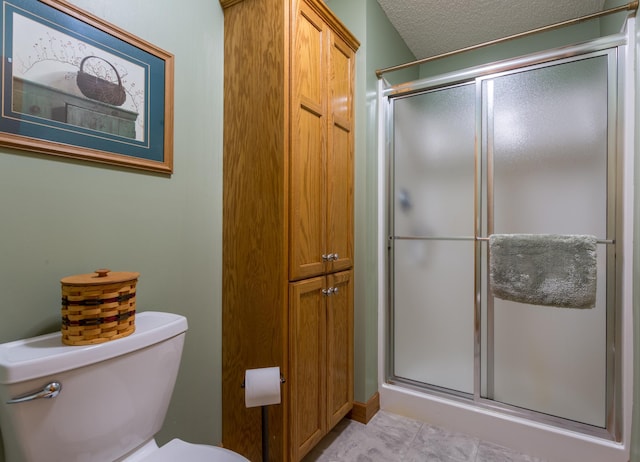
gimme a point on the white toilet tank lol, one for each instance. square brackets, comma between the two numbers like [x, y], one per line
[113, 397]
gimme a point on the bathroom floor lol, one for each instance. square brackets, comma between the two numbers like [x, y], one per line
[392, 438]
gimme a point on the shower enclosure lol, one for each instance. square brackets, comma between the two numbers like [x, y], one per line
[527, 146]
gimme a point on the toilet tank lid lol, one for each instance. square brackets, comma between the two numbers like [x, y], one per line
[44, 355]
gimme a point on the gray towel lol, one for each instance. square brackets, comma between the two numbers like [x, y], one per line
[544, 269]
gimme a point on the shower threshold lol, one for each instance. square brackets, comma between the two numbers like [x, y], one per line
[548, 437]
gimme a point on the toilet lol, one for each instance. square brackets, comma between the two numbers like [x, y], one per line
[96, 403]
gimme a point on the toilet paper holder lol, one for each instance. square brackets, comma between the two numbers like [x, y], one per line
[265, 424]
[282, 380]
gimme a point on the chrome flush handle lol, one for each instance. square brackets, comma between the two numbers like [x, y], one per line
[50, 390]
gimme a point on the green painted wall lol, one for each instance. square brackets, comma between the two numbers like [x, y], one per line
[61, 217]
[380, 46]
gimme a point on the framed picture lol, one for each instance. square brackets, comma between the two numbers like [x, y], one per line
[76, 86]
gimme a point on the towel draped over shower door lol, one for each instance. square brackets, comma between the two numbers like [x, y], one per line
[544, 269]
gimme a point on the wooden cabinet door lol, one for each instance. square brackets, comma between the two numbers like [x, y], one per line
[340, 162]
[339, 346]
[307, 197]
[322, 163]
[307, 371]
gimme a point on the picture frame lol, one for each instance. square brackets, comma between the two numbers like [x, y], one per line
[75, 86]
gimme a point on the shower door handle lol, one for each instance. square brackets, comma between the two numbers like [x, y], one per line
[50, 390]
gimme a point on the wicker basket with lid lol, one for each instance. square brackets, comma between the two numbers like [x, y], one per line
[98, 307]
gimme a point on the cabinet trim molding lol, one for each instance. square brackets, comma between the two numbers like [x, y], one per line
[323, 10]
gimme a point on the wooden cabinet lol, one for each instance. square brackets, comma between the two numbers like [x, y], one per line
[287, 220]
[321, 344]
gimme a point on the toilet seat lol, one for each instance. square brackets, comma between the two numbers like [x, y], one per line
[177, 450]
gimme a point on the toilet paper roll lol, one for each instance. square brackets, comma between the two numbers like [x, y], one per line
[262, 386]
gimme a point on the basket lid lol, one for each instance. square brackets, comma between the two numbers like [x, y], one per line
[99, 276]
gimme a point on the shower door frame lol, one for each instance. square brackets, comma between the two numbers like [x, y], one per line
[614, 48]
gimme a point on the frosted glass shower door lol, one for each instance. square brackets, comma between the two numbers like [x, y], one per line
[433, 248]
[547, 143]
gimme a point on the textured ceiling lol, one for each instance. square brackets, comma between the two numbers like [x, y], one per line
[431, 27]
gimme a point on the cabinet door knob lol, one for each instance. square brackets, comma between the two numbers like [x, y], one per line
[330, 291]
[335, 256]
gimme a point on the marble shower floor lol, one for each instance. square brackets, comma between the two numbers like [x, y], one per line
[392, 438]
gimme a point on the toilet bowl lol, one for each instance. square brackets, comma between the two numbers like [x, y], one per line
[96, 403]
[177, 450]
